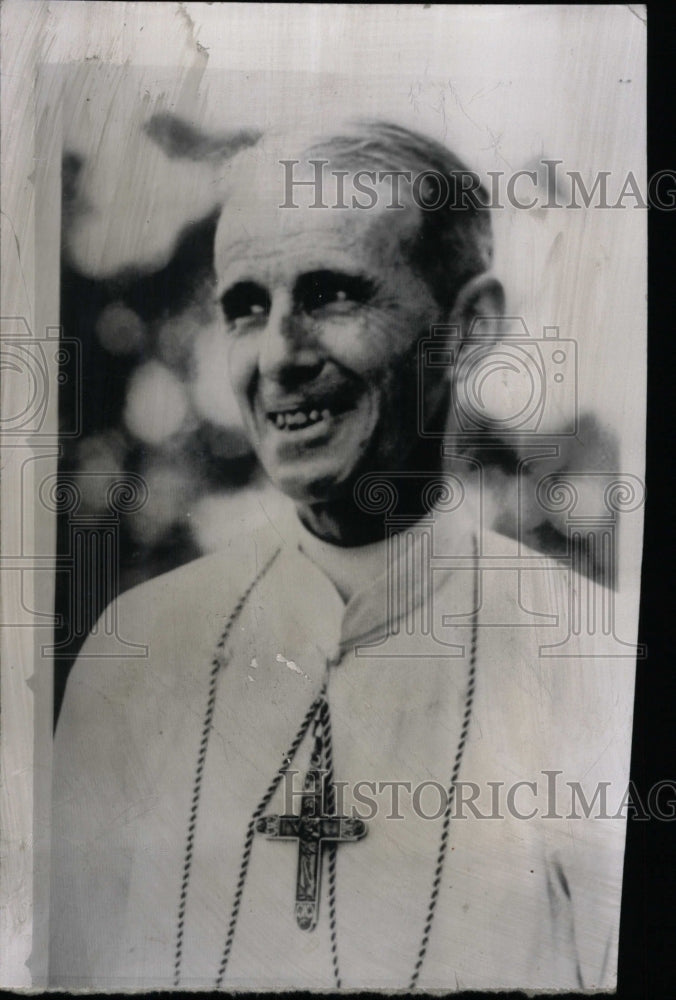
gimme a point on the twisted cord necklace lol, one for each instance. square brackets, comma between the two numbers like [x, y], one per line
[319, 713]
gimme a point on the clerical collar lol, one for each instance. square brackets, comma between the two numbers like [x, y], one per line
[349, 569]
[359, 576]
[356, 568]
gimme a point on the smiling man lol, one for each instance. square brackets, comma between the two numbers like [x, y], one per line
[276, 796]
[325, 307]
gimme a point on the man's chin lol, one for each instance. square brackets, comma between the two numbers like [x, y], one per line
[312, 486]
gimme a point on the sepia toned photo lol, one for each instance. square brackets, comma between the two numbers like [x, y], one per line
[323, 434]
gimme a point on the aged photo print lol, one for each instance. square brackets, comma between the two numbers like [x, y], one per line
[323, 344]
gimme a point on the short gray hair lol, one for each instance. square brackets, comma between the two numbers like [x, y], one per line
[454, 243]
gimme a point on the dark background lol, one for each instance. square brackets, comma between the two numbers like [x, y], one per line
[647, 965]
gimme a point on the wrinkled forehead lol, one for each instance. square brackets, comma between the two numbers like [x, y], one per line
[286, 212]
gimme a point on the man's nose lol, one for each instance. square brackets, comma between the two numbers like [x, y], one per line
[289, 348]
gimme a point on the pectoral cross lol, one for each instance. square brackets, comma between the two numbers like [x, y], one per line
[312, 828]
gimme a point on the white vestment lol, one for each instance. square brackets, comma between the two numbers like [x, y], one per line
[522, 902]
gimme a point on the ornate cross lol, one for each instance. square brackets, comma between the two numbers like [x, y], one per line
[312, 829]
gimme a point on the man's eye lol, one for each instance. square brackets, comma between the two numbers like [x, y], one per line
[326, 288]
[244, 301]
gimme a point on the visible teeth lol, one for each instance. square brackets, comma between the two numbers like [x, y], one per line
[299, 418]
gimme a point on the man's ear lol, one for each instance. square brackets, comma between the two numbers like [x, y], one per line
[481, 298]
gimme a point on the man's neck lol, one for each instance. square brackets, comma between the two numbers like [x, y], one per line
[346, 523]
[341, 523]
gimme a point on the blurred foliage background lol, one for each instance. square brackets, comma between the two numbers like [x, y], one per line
[144, 177]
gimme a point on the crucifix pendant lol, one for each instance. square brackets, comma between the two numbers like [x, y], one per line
[313, 828]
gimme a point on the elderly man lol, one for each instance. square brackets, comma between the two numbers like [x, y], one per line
[337, 767]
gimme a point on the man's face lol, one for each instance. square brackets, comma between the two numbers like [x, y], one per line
[324, 313]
